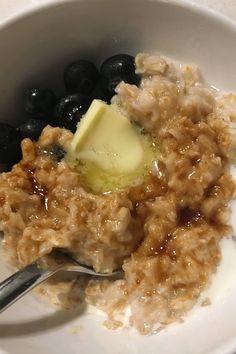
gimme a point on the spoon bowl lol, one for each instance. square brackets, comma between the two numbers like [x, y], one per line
[21, 282]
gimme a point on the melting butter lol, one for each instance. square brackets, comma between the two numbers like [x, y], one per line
[109, 152]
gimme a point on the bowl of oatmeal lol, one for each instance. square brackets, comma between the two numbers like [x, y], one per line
[171, 229]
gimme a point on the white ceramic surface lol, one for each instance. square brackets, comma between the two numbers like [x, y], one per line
[35, 48]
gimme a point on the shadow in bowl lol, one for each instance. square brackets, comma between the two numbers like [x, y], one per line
[44, 324]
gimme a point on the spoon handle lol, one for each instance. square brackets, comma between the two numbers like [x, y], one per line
[18, 284]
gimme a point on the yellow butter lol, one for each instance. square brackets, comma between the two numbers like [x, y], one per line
[108, 150]
[107, 138]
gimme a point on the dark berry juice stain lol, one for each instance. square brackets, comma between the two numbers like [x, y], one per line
[36, 188]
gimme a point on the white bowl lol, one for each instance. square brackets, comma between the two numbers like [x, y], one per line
[35, 47]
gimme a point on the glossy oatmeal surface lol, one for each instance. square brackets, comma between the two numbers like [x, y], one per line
[164, 232]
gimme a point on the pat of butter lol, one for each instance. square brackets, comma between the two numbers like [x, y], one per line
[107, 138]
[109, 152]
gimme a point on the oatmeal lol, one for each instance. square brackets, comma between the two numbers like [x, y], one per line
[164, 232]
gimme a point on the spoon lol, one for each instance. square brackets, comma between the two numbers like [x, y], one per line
[21, 282]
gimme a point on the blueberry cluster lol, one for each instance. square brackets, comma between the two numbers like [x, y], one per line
[83, 83]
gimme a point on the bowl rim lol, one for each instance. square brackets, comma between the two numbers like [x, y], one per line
[32, 8]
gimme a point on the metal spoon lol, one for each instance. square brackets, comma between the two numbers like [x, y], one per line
[21, 282]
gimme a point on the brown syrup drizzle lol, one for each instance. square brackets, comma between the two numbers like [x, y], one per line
[161, 248]
[2, 200]
[36, 188]
[188, 217]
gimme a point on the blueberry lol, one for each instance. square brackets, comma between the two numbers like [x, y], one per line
[81, 77]
[120, 67]
[55, 152]
[10, 139]
[109, 86]
[70, 109]
[39, 103]
[32, 128]
[100, 92]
